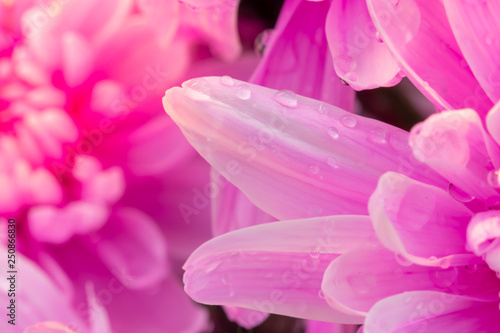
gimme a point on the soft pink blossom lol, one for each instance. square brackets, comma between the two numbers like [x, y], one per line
[395, 230]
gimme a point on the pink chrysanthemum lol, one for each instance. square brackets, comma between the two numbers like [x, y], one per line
[394, 230]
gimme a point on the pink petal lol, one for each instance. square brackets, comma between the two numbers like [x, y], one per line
[163, 16]
[215, 22]
[48, 327]
[428, 311]
[493, 122]
[476, 28]
[292, 156]
[249, 268]
[78, 58]
[296, 56]
[132, 245]
[37, 298]
[231, 209]
[359, 56]
[165, 307]
[455, 145]
[358, 279]
[483, 232]
[420, 38]
[410, 218]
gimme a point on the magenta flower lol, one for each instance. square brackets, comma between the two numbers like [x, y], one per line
[92, 170]
[394, 230]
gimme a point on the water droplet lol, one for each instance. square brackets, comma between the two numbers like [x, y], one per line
[314, 169]
[322, 108]
[243, 92]
[443, 278]
[361, 282]
[402, 260]
[314, 254]
[343, 81]
[378, 37]
[398, 141]
[333, 162]
[225, 279]
[199, 89]
[419, 306]
[377, 135]
[321, 294]
[459, 194]
[261, 41]
[212, 266]
[333, 133]
[493, 178]
[344, 64]
[471, 268]
[394, 3]
[227, 81]
[348, 121]
[286, 98]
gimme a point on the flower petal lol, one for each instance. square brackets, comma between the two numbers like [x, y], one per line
[455, 144]
[410, 219]
[231, 209]
[292, 156]
[359, 278]
[132, 245]
[359, 57]
[249, 268]
[429, 311]
[296, 56]
[420, 38]
[476, 28]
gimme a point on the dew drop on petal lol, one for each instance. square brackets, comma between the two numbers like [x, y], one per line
[443, 278]
[343, 82]
[333, 133]
[243, 92]
[459, 194]
[261, 41]
[348, 121]
[333, 162]
[227, 81]
[321, 294]
[378, 38]
[351, 76]
[286, 98]
[314, 169]
[377, 135]
[493, 178]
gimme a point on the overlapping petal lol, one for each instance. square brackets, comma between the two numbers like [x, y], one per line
[359, 55]
[275, 267]
[430, 311]
[420, 38]
[296, 55]
[292, 156]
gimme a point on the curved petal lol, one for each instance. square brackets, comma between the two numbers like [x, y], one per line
[132, 246]
[292, 156]
[359, 278]
[477, 29]
[455, 144]
[165, 305]
[410, 219]
[359, 56]
[215, 21]
[429, 311]
[250, 268]
[420, 38]
[296, 56]
[37, 298]
[231, 209]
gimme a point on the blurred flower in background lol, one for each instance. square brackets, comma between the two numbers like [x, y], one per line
[92, 170]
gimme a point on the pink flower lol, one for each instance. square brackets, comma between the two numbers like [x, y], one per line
[92, 170]
[449, 50]
[395, 230]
